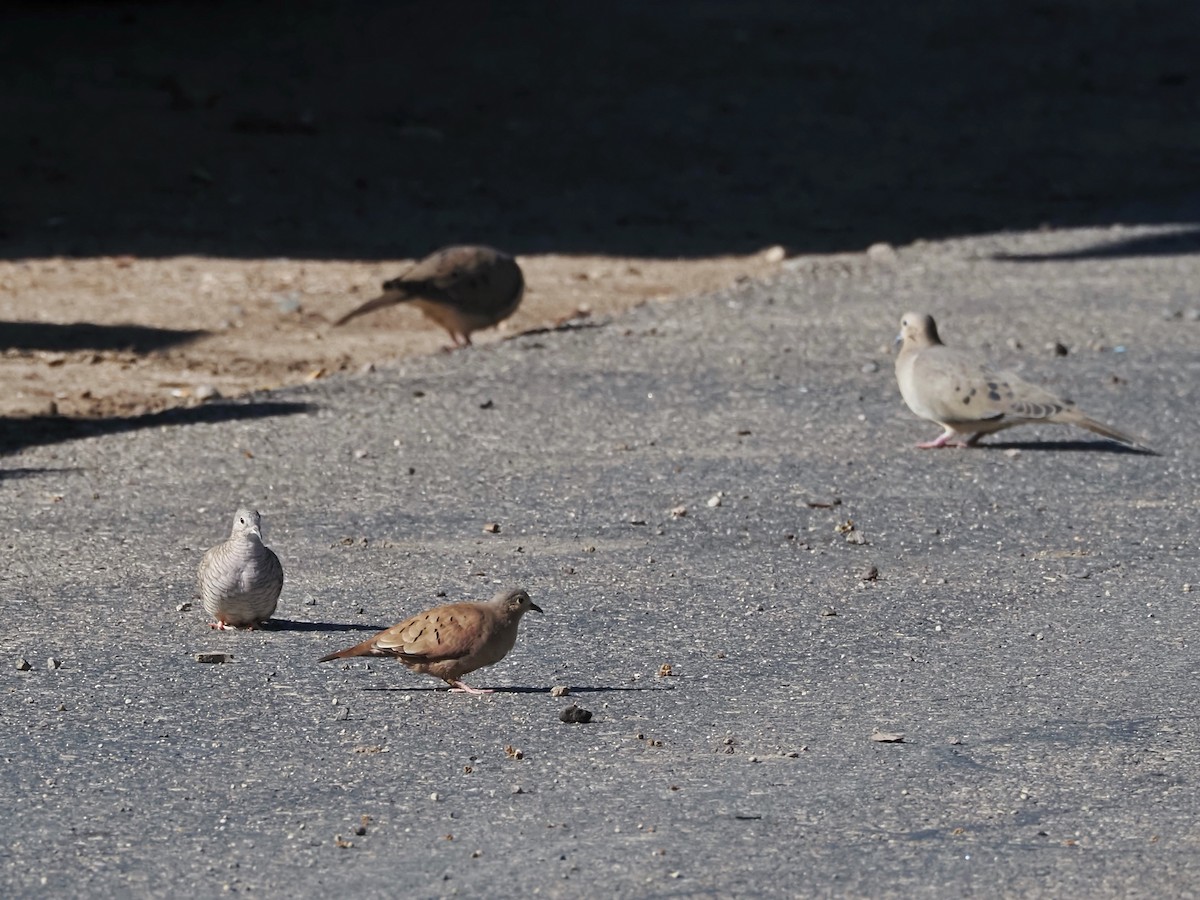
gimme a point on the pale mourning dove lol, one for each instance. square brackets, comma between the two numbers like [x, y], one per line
[969, 398]
[463, 289]
[451, 641]
[240, 579]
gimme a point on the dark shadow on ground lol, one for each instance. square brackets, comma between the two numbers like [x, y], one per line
[379, 130]
[1098, 446]
[294, 625]
[1171, 243]
[16, 434]
[90, 336]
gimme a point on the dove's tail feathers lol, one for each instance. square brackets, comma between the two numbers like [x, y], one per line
[386, 299]
[366, 648]
[1106, 431]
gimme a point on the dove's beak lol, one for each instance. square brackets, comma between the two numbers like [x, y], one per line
[535, 607]
[899, 339]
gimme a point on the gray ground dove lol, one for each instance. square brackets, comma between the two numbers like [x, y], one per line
[463, 289]
[969, 398]
[451, 641]
[240, 579]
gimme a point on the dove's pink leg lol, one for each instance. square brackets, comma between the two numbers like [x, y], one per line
[461, 687]
[218, 626]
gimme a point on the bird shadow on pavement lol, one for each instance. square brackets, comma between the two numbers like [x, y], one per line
[19, 433]
[1100, 446]
[295, 625]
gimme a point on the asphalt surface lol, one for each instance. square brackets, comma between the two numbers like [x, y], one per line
[1029, 631]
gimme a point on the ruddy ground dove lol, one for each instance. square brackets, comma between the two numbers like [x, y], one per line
[463, 289]
[451, 641]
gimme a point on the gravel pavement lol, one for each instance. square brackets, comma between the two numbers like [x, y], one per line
[747, 571]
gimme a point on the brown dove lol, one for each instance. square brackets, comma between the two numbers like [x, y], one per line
[969, 398]
[451, 641]
[240, 579]
[463, 289]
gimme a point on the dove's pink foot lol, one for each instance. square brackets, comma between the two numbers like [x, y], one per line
[461, 687]
[943, 440]
[218, 626]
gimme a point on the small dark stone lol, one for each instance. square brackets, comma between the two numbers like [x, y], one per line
[575, 715]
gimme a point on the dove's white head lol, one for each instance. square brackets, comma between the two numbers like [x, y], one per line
[515, 602]
[917, 330]
[246, 522]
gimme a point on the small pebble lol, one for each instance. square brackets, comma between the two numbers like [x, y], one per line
[881, 252]
[214, 657]
[715, 500]
[183, 607]
[559, 690]
[870, 368]
[871, 573]
[492, 528]
[205, 392]
[53, 663]
[827, 611]
[575, 715]
[774, 254]
[23, 665]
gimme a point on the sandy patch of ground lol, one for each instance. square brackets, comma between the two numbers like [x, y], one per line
[123, 336]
